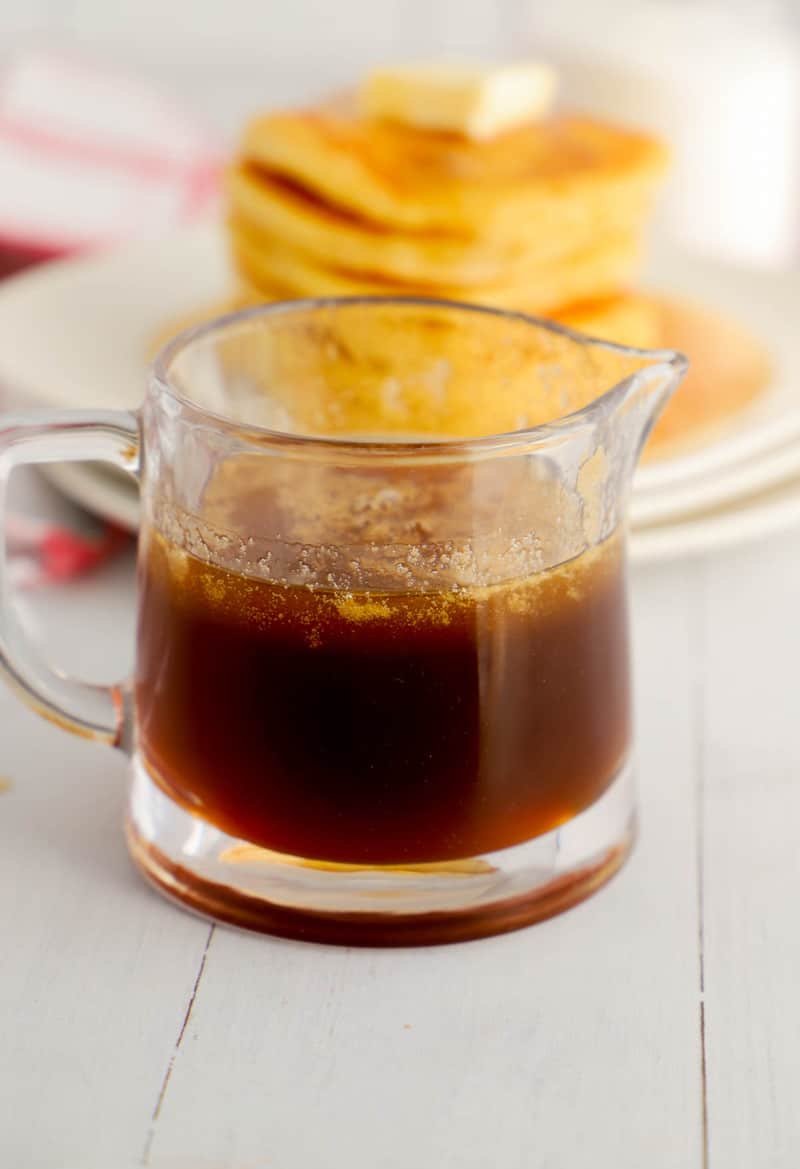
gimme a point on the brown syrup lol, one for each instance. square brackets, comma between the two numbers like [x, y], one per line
[381, 728]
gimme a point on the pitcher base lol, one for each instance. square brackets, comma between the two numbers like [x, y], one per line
[232, 881]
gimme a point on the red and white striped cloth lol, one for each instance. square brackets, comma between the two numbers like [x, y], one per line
[88, 159]
[40, 553]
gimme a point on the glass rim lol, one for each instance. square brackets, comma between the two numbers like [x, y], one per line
[670, 362]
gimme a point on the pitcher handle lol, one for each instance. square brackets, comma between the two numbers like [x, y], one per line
[94, 712]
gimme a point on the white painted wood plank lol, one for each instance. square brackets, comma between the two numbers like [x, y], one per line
[751, 856]
[95, 971]
[569, 1044]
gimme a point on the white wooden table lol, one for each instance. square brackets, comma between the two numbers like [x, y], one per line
[657, 1026]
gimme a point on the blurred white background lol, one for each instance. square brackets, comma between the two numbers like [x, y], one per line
[228, 54]
[720, 78]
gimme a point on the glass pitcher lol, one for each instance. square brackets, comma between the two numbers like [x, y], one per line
[381, 691]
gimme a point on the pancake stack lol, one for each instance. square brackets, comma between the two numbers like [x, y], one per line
[545, 217]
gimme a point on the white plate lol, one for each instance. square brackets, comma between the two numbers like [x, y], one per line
[767, 303]
[76, 334]
[723, 486]
[764, 514]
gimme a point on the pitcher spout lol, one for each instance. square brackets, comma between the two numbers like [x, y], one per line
[616, 425]
[647, 393]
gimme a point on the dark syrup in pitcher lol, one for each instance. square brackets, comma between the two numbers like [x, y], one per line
[382, 728]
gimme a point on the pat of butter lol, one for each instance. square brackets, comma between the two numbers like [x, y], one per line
[461, 99]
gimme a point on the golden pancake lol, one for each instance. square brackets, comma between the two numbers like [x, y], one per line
[627, 320]
[544, 218]
[306, 379]
[346, 373]
[276, 207]
[562, 177]
[263, 261]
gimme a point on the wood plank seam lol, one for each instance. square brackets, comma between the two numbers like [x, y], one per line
[145, 1160]
[697, 639]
